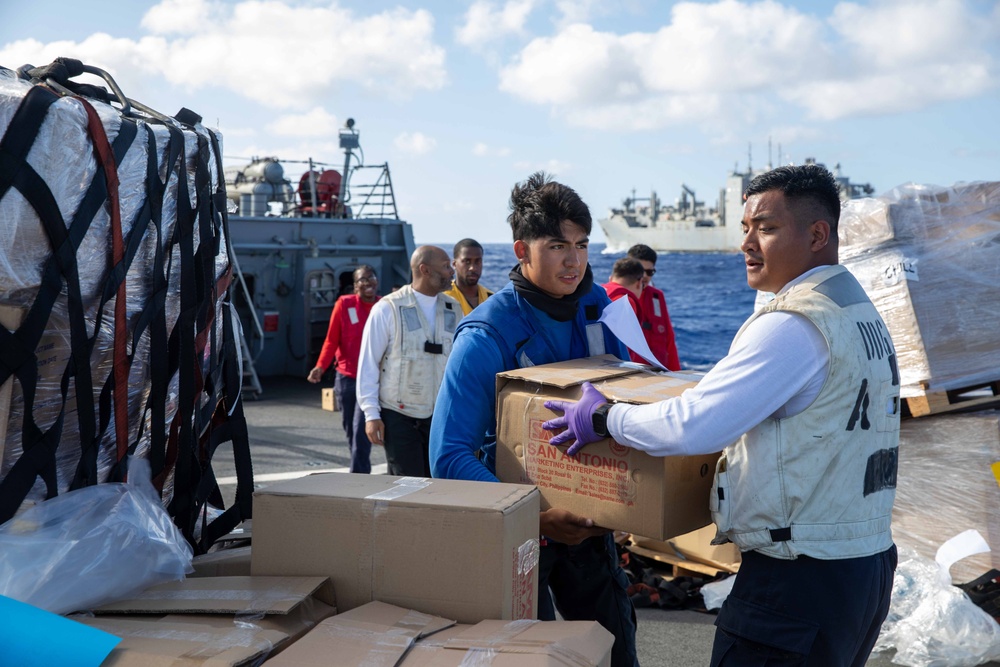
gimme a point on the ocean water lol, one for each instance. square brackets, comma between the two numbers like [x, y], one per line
[707, 295]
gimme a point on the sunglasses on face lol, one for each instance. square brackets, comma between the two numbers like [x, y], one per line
[650, 272]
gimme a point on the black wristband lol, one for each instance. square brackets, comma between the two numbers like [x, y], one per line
[599, 420]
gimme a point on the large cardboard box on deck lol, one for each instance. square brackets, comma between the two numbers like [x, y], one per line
[372, 635]
[462, 550]
[213, 620]
[384, 635]
[616, 486]
[517, 644]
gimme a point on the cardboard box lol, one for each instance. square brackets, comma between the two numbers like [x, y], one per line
[373, 635]
[520, 644]
[213, 620]
[461, 550]
[330, 400]
[149, 642]
[222, 563]
[618, 487]
[426, 650]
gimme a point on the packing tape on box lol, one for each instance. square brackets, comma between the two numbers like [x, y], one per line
[478, 657]
[414, 621]
[377, 505]
[212, 644]
[262, 601]
[528, 555]
[488, 647]
[385, 647]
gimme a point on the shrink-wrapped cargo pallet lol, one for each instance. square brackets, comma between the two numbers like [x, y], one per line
[929, 257]
[118, 337]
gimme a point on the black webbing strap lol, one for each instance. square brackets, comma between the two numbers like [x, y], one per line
[781, 534]
[180, 442]
[17, 349]
[152, 318]
[231, 422]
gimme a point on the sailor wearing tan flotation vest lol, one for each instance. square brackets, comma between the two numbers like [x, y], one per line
[404, 349]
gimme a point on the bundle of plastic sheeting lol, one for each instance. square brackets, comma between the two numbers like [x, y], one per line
[931, 622]
[114, 275]
[92, 546]
[929, 257]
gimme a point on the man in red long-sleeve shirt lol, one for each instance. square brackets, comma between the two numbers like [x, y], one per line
[625, 281]
[655, 319]
[343, 340]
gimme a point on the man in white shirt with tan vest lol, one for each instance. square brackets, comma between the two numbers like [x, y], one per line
[404, 348]
[805, 410]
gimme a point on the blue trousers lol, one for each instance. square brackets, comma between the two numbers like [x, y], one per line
[808, 612]
[353, 420]
[588, 584]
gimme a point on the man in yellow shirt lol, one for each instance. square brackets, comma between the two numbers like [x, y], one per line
[468, 263]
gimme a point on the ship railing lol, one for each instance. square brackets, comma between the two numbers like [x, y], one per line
[373, 199]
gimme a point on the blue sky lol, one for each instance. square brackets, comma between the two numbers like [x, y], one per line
[463, 99]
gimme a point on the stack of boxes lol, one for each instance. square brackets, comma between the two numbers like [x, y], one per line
[929, 258]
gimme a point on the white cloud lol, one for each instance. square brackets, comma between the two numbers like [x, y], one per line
[415, 143]
[897, 34]
[179, 16]
[315, 123]
[580, 11]
[246, 48]
[732, 61]
[484, 23]
[890, 92]
[485, 150]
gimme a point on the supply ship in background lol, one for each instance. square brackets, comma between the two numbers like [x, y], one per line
[688, 225]
[297, 245]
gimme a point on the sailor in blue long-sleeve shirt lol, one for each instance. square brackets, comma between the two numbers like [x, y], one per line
[547, 313]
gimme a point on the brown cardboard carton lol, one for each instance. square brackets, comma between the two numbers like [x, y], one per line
[222, 563]
[151, 642]
[214, 620]
[462, 550]
[616, 486]
[372, 635]
[426, 650]
[225, 595]
[330, 400]
[521, 644]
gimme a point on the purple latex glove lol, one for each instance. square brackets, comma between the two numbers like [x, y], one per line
[577, 418]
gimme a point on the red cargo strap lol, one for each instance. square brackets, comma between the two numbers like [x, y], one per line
[106, 160]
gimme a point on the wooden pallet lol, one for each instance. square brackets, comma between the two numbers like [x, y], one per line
[678, 565]
[976, 397]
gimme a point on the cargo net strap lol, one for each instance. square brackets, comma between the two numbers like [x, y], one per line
[172, 391]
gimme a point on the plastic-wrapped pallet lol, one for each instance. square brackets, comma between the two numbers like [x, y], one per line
[945, 486]
[118, 337]
[929, 257]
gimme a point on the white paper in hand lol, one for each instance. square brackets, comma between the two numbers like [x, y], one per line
[621, 319]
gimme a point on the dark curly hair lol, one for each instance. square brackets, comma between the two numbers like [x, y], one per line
[539, 205]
